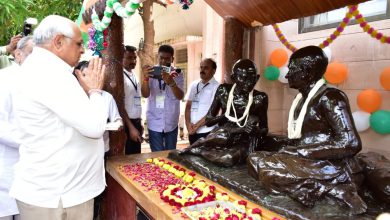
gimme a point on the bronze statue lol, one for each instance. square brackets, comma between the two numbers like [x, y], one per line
[318, 159]
[242, 123]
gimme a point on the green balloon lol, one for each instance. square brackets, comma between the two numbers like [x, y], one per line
[271, 73]
[380, 121]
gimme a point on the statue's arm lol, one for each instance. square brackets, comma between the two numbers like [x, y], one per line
[262, 109]
[345, 141]
[212, 117]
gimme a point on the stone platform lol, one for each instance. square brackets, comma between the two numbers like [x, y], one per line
[238, 180]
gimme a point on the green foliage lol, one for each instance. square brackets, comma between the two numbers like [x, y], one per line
[14, 12]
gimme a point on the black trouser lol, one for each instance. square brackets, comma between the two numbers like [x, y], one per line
[195, 137]
[133, 147]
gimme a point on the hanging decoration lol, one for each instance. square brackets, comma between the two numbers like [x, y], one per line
[351, 12]
[125, 12]
[283, 39]
[111, 6]
[168, 2]
[186, 4]
[97, 40]
[367, 28]
[336, 73]
[129, 9]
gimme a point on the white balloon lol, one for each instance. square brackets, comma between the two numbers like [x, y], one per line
[362, 120]
[328, 53]
[282, 76]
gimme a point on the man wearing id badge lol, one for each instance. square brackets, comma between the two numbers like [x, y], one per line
[163, 86]
[132, 88]
[200, 97]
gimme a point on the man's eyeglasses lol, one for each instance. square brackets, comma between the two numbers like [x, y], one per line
[78, 43]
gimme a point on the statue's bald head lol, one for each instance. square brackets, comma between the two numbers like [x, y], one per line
[313, 58]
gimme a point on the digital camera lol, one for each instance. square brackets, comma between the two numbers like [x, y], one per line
[27, 27]
[157, 70]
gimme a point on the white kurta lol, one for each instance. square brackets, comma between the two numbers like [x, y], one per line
[9, 144]
[62, 149]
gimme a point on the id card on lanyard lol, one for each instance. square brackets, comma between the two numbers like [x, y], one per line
[137, 101]
[195, 105]
[160, 98]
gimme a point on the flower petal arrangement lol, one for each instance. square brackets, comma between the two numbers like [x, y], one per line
[180, 195]
[182, 189]
[222, 211]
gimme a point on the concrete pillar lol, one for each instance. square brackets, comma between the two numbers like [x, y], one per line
[234, 40]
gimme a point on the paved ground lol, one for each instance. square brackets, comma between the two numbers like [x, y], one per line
[145, 148]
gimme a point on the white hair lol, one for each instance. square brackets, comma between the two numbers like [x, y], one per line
[51, 26]
[23, 42]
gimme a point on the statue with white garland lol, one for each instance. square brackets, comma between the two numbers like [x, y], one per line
[243, 121]
[319, 158]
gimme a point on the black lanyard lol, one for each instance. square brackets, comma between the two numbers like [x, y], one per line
[197, 88]
[161, 86]
[132, 82]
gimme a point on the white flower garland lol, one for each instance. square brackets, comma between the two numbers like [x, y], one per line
[231, 105]
[294, 127]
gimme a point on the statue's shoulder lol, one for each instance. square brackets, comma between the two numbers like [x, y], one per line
[258, 95]
[328, 93]
[223, 88]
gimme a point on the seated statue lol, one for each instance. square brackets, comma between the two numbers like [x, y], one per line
[242, 123]
[319, 158]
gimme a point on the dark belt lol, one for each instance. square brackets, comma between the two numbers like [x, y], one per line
[135, 120]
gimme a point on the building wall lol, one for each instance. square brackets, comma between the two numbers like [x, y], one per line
[213, 38]
[364, 56]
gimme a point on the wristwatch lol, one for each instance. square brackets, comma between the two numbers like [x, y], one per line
[172, 84]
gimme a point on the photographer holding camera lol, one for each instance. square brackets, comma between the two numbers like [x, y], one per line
[164, 92]
[8, 50]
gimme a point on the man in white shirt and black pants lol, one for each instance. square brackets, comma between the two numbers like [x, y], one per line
[201, 95]
[132, 116]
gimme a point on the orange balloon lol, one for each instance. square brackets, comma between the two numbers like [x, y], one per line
[279, 57]
[369, 100]
[385, 78]
[336, 73]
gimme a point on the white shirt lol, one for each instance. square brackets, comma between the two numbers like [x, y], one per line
[113, 115]
[9, 144]
[61, 150]
[202, 96]
[132, 90]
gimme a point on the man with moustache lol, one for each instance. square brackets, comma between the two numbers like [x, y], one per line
[133, 110]
[199, 101]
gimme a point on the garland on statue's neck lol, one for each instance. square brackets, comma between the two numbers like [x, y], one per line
[230, 104]
[294, 127]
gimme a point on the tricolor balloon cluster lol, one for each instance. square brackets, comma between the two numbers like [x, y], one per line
[370, 115]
